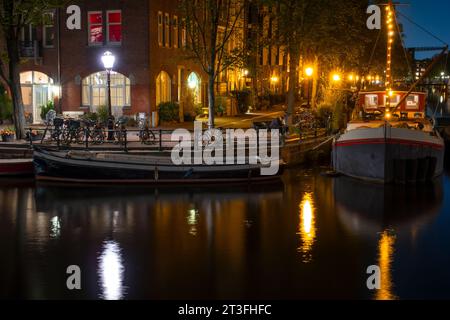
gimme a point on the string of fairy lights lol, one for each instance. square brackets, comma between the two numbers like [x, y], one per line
[390, 41]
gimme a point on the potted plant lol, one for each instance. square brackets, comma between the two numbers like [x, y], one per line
[35, 135]
[221, 105]
[46, 108]
[7, 135]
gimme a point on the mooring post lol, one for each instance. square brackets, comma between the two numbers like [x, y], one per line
[125, 140]
[86, 137]
[30, 136]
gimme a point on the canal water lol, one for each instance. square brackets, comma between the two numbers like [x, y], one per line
[309, 237]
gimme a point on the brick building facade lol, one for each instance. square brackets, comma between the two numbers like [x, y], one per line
[146, 37]
[66, 64]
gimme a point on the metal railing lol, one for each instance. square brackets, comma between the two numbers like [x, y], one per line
[160, 140]
[64, 139]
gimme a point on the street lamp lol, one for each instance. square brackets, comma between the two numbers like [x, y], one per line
[309, 72]
[336, 77]
[108, 61]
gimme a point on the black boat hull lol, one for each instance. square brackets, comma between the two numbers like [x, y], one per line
[389, 155]
[53, 167]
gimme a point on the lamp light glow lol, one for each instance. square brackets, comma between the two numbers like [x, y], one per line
[336, 77]
[108, 60]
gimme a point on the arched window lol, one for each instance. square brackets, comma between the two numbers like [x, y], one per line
[194, 84]
[95, 90]
[163, 88]
[37, 89]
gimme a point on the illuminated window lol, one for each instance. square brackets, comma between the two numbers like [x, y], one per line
[183, 34]
[94, 91]
[167, 30]
[160, 29]
[95, 28]
[194, 84]
[37, 90]
[163, 88]
[114, 27]
[393, 101]
[371, 101]
[412, 102]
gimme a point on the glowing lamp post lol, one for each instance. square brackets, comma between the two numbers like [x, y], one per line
[108, 61]
[309, 72]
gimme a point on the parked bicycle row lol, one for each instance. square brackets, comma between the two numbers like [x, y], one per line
[81, 131]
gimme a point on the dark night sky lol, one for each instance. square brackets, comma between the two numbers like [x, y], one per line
[432, 15]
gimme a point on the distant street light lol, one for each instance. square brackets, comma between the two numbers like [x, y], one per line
[309, 72]
[336, 77]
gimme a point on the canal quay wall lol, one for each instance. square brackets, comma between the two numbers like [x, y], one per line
[293, 153]
[8, 151]
[307, 151]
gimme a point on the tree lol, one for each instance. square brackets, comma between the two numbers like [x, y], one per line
[215, 38]
[295, 20]
[328, 33]
[15, 15]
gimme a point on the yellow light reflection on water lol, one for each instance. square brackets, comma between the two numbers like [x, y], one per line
[307, 227]
[385, 259]
[192, 220]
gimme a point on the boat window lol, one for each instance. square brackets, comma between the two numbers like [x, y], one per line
[394, 100]
[412, 102]
[371, 101]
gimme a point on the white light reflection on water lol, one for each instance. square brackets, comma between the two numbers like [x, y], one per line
[55, 227]
[111, 272]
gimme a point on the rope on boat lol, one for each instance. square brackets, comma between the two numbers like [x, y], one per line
[402, 41]
[422, 28]
[322, 143]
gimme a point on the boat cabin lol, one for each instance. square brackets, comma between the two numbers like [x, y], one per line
[374, 103]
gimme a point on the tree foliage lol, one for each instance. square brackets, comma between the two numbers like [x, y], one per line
[14, 16]
[215, 38]
[335, 32]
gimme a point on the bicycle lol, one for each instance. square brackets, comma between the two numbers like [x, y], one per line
[120, 131]
[94, 130]
[54, 126]
[72, 132]
[146, 136]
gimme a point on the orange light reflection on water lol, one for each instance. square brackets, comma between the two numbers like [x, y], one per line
[307, 227]
[385, 259]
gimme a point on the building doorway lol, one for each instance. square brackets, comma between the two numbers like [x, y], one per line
[37, 90]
